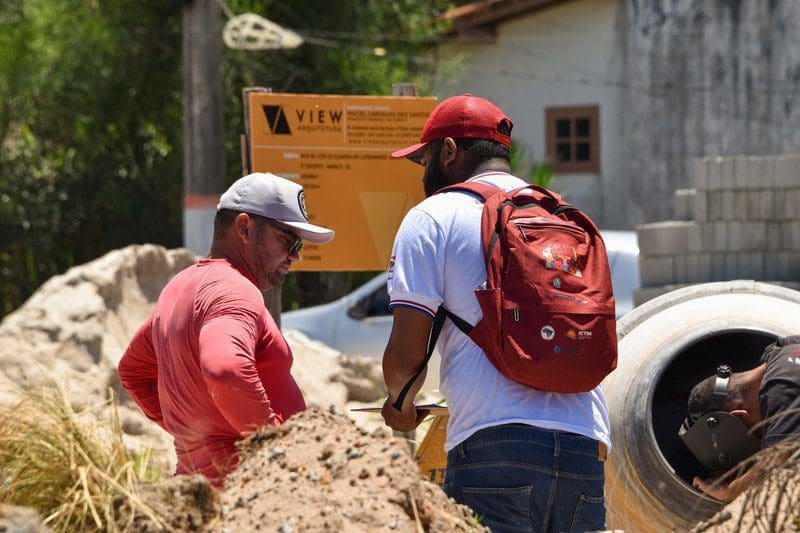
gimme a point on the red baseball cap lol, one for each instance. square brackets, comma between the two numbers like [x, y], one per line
[464, 116]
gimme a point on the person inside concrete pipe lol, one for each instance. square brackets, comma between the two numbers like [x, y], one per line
[210, 365]
[732, 415]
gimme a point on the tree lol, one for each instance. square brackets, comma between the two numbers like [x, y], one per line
[90, 113]
[89, 125]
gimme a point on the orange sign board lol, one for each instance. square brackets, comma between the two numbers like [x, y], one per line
[430, 456]
[337, 148]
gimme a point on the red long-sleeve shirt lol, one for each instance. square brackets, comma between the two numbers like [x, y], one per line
[210, 365]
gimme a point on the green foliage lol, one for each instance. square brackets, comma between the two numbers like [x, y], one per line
[90, 133]
[538, 172]
[91, 114]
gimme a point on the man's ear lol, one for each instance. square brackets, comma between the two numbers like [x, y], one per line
[242, 226]
[449, 151]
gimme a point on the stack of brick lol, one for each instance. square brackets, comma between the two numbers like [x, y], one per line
[742, 221]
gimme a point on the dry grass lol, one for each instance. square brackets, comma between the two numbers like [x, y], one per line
[773, 502]
[72, 467]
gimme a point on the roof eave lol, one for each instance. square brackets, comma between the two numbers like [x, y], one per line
[478, 22]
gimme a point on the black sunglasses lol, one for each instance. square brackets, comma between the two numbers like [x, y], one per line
[297, 243]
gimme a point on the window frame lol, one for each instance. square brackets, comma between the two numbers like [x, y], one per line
[572, 113]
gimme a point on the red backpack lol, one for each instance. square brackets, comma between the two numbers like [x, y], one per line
[548, 307]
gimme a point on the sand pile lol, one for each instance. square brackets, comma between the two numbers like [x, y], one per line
[77, 324]
[317, 472]
[320, 472]
[14, 519]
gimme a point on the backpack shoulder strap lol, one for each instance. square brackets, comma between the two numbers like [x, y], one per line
[483, 190]
[436, 329]
[548, 200]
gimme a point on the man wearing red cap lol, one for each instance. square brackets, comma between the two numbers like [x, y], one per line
[522, 459]
[210, 365]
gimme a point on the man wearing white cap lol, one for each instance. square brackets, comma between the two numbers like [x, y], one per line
[210, 364]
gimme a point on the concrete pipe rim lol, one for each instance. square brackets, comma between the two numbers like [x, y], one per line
[658, 304]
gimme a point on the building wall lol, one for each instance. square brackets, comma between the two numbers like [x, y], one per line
[674, 80]
[700, 79]
[558, 56]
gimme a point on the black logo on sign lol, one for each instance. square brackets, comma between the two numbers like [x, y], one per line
[276, 119]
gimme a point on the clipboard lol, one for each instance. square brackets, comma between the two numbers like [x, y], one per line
[434, 408]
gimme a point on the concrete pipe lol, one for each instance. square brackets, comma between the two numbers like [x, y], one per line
[665, 347]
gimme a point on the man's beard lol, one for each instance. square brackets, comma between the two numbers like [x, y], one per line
[434, 179]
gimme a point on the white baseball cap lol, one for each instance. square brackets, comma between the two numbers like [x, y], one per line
[271, 196]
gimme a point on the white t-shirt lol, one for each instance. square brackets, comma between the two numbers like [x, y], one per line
[437, 258]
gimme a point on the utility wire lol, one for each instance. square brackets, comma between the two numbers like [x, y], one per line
[225, 9]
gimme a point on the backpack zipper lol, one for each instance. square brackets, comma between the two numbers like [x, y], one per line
[516, 315]
[540, 222]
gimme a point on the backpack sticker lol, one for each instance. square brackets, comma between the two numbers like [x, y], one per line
[561, 349]
[578, 335]
[548, 333]
[558, 256]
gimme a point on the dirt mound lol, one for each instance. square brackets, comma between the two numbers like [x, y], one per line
[77, 324]
[182, 503]
[320, 472]
[327, 377]
[317, 472]
[16, 519]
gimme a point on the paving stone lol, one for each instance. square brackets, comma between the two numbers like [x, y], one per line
[714, 205]
[684, 204]
[713, 236]
[656, 270]
[700, 165]
[713, 170]
[700, 209]
[668, 237]
[775, 236]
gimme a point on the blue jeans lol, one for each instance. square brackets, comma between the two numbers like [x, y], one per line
[523, 478]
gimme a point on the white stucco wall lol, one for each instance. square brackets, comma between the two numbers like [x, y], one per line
[559, 56]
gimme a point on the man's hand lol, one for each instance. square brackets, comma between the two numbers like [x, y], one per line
[719, 490]
[405, 420]
[726, 492]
